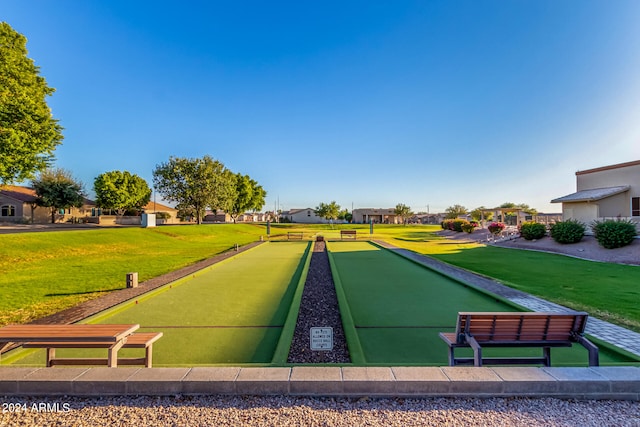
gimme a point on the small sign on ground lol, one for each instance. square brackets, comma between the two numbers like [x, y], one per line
[322, 339]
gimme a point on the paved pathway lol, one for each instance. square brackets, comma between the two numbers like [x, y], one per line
[605, 331]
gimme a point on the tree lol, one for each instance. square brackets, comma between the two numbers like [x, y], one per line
[28, 132]
[248, 195]
[195, 184]
[345, 215]
[57, 189]
[403, 211]
[121, 191]
[455, 211]
[328, 211]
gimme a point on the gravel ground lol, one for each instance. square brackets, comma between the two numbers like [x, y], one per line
[319, 308]
[300, 411]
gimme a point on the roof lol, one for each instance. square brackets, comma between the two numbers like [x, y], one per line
[155, 206]
[592, 195]
[23, 194]
[604, 168]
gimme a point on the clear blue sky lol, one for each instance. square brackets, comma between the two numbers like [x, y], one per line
[369, 103]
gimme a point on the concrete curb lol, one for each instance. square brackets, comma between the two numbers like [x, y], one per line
[618, 383]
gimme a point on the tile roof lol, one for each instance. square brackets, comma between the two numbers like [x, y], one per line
[23, 194]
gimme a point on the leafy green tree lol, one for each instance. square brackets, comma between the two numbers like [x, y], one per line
[328, 211]
[57, 189]
[525, 208]
[121, 191]
[28, 132]
[403, 211]
[455, 211]
[345, 215]
[248, 196]
[195, 184]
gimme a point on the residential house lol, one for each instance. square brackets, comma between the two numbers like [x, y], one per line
[377, 216]
[604, 193]
[18, 204]
[304, 216]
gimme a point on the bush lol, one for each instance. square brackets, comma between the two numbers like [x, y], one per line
[532, 230]
[469, 227]
[163, 215]
[614, 234]
[447, 224]
[458, 223]
[495, 227]
[569, 231]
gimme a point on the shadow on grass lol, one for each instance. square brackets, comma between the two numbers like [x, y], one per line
[104, 291]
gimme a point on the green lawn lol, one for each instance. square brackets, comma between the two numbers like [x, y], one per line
[608, 291]
[45, 272]
[231, 313]
[398, 308]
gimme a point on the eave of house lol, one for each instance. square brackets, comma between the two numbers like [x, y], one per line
[592, 195]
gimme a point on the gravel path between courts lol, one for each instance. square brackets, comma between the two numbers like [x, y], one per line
[301, 411]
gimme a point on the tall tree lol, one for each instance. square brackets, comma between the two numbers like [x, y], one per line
[455, 211]
[28, 132]
[328, 211]
[195, 184]
[403, 211]
[478, 215]
[57, 189]
[121, 191]
[248, 195]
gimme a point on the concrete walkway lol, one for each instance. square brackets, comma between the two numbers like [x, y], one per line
[605, 331]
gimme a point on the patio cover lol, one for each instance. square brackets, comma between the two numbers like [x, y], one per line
[592, 195]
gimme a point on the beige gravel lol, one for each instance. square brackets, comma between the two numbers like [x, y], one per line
[298, 411]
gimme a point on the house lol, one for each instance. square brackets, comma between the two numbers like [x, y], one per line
[304, 216]
[217, 216]
[377, 216]
[164, 214]
[604, 193]
[18, 204]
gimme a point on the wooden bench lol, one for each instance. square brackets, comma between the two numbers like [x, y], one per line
[294, 235]
[137, 340]
[351, 234]
[111, 337]
[544, 330]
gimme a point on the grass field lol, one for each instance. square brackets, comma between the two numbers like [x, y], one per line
[231, 313]
[398, 308]
[45, 272]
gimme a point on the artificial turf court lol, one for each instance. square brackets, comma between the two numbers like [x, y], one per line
[398, 307]
[241, 311]
[230, 313]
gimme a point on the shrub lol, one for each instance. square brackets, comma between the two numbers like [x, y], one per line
[469, 227]
[569, 231]
[446, 224]
[496, 227]
[614, 234]
[532, 230]
[163, 215]
[458, 223]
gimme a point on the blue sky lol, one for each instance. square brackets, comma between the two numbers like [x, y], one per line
[370, 104]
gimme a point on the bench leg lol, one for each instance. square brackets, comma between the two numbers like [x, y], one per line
[452, 357]
[112, 359]
[594, 358]
[546, 353]
[148, 357]
[477, 350]
[51, 355]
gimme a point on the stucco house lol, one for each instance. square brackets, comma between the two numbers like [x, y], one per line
[18, 204]
[305, 216]
[604, 193]
[376, 215]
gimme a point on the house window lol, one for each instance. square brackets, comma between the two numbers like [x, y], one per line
[635, 206]
[8, 210]
[308, 213]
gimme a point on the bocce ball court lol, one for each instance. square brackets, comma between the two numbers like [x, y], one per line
[242, 311]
